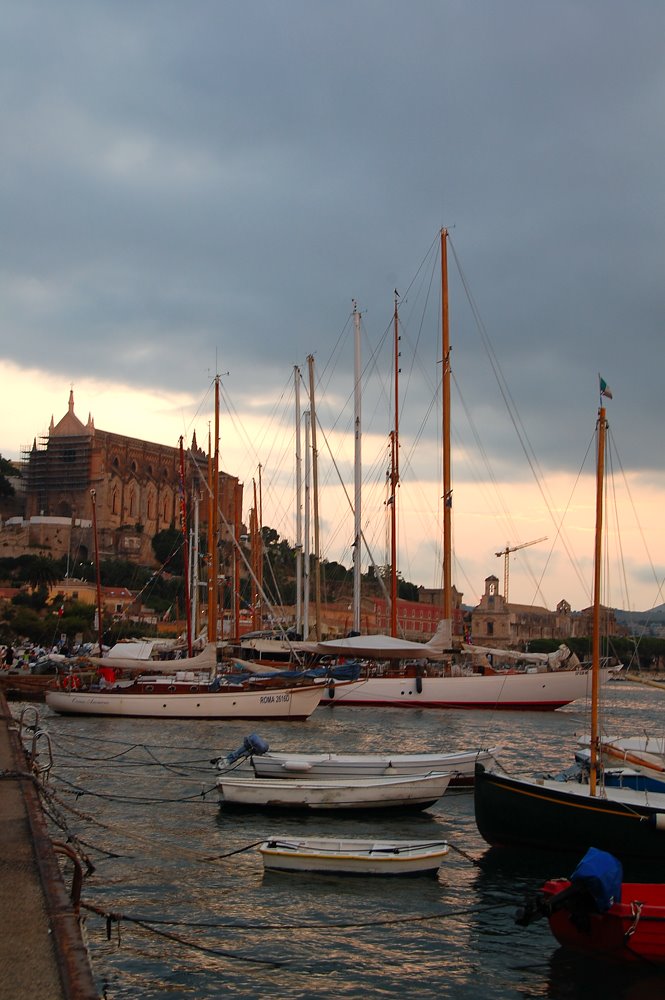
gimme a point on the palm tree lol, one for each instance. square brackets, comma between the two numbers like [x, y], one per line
[40, 572]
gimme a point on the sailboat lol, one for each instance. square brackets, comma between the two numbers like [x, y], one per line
[554, 815]
[545, 682]
[189, 688]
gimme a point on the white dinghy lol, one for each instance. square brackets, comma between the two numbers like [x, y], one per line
[352, 794]
[326, 855]
[342, 766]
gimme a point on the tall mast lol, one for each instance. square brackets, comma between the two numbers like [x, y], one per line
[98, 579]
[298, 553]
[445, 395]
[394, 480]
[357, 474]
[306, 561]
[315, 485]
[237, 514]
[208, 557]
[254, 534]
[195, 566]
[213, 530]
[185, 546]
[259, 563]
[597, 565]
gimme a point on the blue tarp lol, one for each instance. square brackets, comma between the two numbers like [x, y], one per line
[340, 672]
[601, 875]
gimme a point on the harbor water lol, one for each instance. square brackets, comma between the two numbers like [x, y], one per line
[199, 918]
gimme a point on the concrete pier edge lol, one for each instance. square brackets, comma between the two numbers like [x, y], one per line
[70, 952]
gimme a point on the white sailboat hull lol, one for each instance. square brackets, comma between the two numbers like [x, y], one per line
[528, 691]
[325, 855]
[360, 793]
[291, 703]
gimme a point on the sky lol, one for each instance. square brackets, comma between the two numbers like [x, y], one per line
[202, 188]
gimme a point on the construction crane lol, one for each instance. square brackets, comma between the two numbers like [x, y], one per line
[506, 554]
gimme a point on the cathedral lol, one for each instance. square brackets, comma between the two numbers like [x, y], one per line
[136, 488]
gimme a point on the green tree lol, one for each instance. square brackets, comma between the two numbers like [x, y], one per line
[407, 591]
[7, 470]
[27, 622]
[167, 546]
[40, 572]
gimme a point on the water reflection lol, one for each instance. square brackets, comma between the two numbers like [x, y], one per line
[576, 977]
[450, 937]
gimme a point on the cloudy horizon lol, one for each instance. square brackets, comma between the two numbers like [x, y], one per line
[207, 188]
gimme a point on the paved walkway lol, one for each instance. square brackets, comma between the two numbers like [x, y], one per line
[41, 951]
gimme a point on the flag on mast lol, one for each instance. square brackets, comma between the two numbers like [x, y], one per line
[605, 389]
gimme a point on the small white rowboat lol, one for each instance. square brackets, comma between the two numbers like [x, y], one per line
[354, 857]
[341, 766]
[361, 793]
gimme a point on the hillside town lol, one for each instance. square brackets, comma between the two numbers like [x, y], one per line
[47, 514]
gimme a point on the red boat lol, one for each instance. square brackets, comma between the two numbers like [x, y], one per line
[630, 930]
[597, 913]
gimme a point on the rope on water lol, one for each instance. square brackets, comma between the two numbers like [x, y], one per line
[176, 851]
[146, 924]
[239, 850]
[308, 925]
[122, 757]
[143, 800]
[467, 857]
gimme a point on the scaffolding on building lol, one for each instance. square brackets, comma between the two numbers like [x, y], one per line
[55, 466]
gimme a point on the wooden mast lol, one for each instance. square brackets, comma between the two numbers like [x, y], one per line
[213, 529]
[394, 480]
[98, 579]
[254, 535]
[597, 566]
[195, 564]
[236, 559]
[259, 562]
[315, 499]
[185, 547]
[308, 507]
[445, 396]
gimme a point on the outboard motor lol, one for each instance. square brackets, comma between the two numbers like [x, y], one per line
[252, 744]
[594, 886]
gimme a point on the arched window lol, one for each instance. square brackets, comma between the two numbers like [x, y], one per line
[114, 500]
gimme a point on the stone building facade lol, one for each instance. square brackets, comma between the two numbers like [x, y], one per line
[136, 487]
[494, 622]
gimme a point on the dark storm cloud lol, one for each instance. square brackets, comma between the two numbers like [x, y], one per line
[186, 183]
